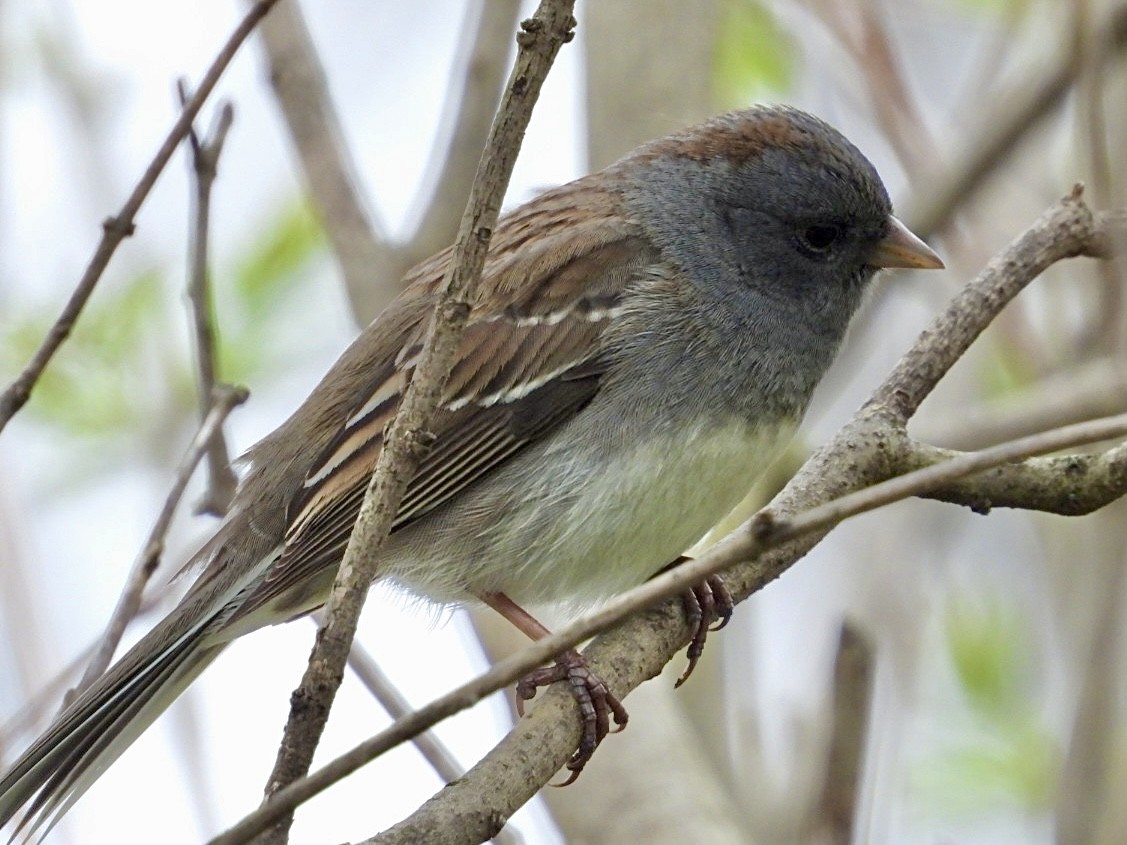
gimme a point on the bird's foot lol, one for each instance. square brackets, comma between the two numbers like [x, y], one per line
[597, 704]
[705, 603]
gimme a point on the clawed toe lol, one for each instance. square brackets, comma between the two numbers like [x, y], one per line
[597, 704]
[705, 603]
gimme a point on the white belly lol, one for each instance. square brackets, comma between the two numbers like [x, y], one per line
[617, 526]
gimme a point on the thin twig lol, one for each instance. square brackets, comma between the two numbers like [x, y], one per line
[226, 399]
[1096, 388]
[1010, 120]
[539, 41]
[116, 229]
[395, 704]
[221, 479]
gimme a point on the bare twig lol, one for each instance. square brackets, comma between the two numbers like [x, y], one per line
[116, 229]
[1014, 114]
[364, 666]
[221, 479]
[427, 743]
[225, 400]
[539, 41]
[1086, 391]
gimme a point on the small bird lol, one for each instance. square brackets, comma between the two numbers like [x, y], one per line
[644, 342]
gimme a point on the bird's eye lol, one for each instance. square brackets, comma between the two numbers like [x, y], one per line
[818, 238]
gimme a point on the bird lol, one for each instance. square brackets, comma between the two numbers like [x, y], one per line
[644, 342]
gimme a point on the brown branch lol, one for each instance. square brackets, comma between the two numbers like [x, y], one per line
[221, 479]
[302, 92]
[544, 740]
[225, 400]
[854, 666]
[829, 488]
[115, 229]
[1010, 118]
[539, 41]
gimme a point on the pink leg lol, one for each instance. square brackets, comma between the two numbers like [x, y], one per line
[596, 703]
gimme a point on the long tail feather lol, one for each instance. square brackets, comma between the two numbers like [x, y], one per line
[96, 728]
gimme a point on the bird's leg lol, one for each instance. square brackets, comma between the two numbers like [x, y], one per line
[705, 603]
[597, 704]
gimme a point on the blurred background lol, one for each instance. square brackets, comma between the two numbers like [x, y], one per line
[926, 675]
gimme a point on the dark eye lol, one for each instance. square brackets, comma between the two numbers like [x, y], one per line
[819, 238]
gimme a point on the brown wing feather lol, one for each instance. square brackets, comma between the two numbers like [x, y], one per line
[510, 388]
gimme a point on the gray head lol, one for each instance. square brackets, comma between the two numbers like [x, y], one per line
[775, 201]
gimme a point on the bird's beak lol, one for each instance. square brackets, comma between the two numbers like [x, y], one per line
[901, 248]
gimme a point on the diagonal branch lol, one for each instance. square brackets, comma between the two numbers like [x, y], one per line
[225, 400]
[117, 228]
[372, 265]
[302, 91]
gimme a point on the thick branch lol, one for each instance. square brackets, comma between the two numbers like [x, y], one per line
[829, 488]
[303, 96]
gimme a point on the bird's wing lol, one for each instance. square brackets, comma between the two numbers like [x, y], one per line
[529, 360]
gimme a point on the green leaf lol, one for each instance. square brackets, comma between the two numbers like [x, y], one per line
[1015, 764]
[272, 262]
[754, 56]
[986, 641]
[95, 384]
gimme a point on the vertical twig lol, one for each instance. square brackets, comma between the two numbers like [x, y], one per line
[852, 703]
[539, 41]
[221, 479]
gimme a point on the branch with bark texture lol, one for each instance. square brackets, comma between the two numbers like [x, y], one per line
[869, 452]
[539, 40]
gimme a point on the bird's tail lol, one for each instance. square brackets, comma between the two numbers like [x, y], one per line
[105, 718]
[98, 726]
